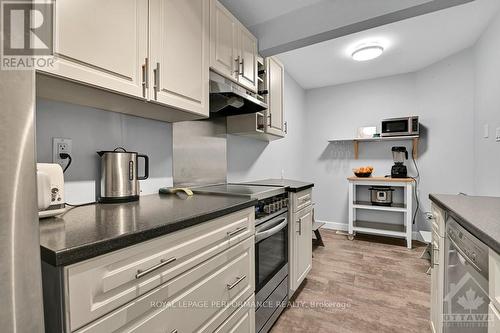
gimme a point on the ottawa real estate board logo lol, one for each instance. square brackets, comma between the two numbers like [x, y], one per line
[27, 34]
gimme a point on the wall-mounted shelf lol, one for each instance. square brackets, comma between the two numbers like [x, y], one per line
[356, 141]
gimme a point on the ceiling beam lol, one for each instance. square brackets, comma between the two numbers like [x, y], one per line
[272, 41]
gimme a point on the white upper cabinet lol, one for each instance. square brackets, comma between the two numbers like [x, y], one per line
[233, 49]
[155, 50]
[275, 78]
[223, 41]
[180, 54]
[102, 43]
[248, 59]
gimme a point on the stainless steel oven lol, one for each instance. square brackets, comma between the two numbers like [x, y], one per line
[465, 306]
[271, 268]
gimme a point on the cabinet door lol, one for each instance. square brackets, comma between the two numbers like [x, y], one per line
[248, 59]
[223, 41]
[242, 320]
[102, 43]
[180, 54]
[494, 317]
[275, 100]
[303, 246]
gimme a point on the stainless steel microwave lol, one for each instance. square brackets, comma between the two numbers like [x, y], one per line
[400, 126]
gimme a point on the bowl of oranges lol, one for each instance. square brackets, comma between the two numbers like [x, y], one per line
[363, 172]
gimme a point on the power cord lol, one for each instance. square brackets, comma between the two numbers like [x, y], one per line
[417, 181]
[66, 156]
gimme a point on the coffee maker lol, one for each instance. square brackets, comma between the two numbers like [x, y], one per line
[399, 155]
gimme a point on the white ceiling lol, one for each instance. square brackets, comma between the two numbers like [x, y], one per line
[254, 12]
[410, 45]
[283, 25]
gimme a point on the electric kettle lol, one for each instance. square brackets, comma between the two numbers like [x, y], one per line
[120, 175]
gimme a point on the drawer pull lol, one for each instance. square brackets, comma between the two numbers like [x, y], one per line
[238, 280]
[236, 231]
[163, 262]
[174, 331]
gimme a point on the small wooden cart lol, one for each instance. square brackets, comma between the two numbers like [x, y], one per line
[377, 228]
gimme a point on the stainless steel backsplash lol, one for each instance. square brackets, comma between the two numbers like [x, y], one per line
[199, 152]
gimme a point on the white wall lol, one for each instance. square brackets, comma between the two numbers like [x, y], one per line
[92, 130]
[487, 110]
[442, 95]
[250, 159]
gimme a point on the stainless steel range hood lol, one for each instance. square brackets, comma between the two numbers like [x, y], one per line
[228, 98]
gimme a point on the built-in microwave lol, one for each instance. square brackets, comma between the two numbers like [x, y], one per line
[400, 126]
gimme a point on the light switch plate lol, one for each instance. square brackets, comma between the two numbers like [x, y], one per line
[486, 131]
[498, 134]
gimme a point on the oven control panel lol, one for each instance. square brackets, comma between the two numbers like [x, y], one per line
[468, 245]
[271, 205]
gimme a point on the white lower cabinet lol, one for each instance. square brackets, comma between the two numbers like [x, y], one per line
[437, 269]
[300, 238]
[242, 320]
[198, 279]
[494, 316]
[98, 286]
[494, 278]
[494, 292]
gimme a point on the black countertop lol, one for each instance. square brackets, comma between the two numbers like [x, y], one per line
[289, 184]
[89, 231]
[479, 215]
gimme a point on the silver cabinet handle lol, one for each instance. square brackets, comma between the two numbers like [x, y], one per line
[300, 223]
[270, 119]
[174, 331]
[144, 77]
[156, 77]
[163, 262]
[286, 127]
[242, 73]
[433, 254]
[236, 231]
[237, 71]
[235, 283]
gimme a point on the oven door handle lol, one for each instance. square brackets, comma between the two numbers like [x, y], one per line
[269, 232]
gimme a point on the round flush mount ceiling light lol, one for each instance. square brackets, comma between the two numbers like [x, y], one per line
[367, 52]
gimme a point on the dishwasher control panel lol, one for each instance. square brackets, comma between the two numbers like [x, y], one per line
[468, 245]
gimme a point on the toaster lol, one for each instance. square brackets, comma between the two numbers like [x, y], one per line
[50, 189]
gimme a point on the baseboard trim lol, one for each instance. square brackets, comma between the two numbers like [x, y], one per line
[334, 225]
[344, 227]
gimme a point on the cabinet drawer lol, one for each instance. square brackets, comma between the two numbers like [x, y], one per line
[242, 320]
[494, 278]
[99, 286]
[198, 300]
[494, 319]
[438, 220]
[300, 200]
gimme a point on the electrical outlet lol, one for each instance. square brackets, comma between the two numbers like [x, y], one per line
[59, 146]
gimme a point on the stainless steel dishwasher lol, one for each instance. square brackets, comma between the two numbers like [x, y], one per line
[465, 306]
